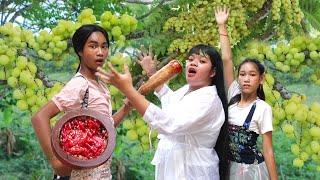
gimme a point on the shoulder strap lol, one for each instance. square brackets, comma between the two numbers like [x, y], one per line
[249, 117]
[85, 99]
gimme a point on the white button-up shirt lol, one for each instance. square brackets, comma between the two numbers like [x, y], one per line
[188, 125]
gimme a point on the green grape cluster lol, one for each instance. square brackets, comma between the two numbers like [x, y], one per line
[292, 57]
[289, 15]
[52, 46]
[288, 12]
[276, 4]
[118, 27]
[301, 123]
[281, 30]
[137, 129]
[198, 25]
[119, 59]
[297, 12]
[253, 5]
[19, 71]
[86, 17]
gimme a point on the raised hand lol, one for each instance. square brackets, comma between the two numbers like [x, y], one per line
[148, 64]
[221, 14]
[121, 81]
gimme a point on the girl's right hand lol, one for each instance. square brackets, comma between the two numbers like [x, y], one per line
[221, 14]
[148, 64]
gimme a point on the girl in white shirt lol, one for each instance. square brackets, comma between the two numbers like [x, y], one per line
[190, 119]
[249, 114]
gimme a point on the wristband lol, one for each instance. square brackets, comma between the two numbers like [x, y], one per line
[224, 35]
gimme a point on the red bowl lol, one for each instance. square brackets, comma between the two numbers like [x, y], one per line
[72, 161]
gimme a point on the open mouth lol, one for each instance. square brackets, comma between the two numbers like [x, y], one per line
[192, 71]
[100, 62]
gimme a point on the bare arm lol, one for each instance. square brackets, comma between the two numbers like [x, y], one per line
[121, 114]
[41, 125]
[222, 15]
[124, 83]
[268, 155]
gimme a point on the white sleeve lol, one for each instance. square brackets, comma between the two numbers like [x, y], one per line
[265, 120]
[233, 90]
[187, 117]
[164, 95]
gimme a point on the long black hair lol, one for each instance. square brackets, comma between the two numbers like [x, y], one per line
[261, 69]
[222, 145]
[82, 34]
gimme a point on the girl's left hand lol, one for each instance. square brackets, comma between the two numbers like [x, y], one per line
[221, 14]
[121, 81]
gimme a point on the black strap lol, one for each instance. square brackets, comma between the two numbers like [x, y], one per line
[56, 177]
[85, 99]
[249, 117]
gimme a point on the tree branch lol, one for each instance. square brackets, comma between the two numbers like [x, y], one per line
[282, 90]
[3, 6]
[144, 2]
[261, 14]
[40, 74]
[304, 26]
[3, 93]
[17, 13]
[44, 78]
[167, 59]
[72, 5]
[136, 35]
[268, 34]
[139, 2]
[151, 11]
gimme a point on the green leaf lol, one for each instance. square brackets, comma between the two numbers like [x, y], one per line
[7, 116]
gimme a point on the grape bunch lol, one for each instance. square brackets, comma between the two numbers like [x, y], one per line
[292, 57]
[117, 27]
[19, 72]
[137, 129]
[198, 25]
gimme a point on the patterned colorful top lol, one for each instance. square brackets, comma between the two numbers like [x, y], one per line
[243, 142]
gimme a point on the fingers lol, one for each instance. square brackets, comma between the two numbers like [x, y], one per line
[155, 59]
[150, 51]
[143, 51]
[137, 61]
[102, 71]
[103, 77]
[126, 69]
[138, 54]
[115, 72]
[223, 8]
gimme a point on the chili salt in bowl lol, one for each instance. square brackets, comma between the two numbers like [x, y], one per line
[75, 162]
